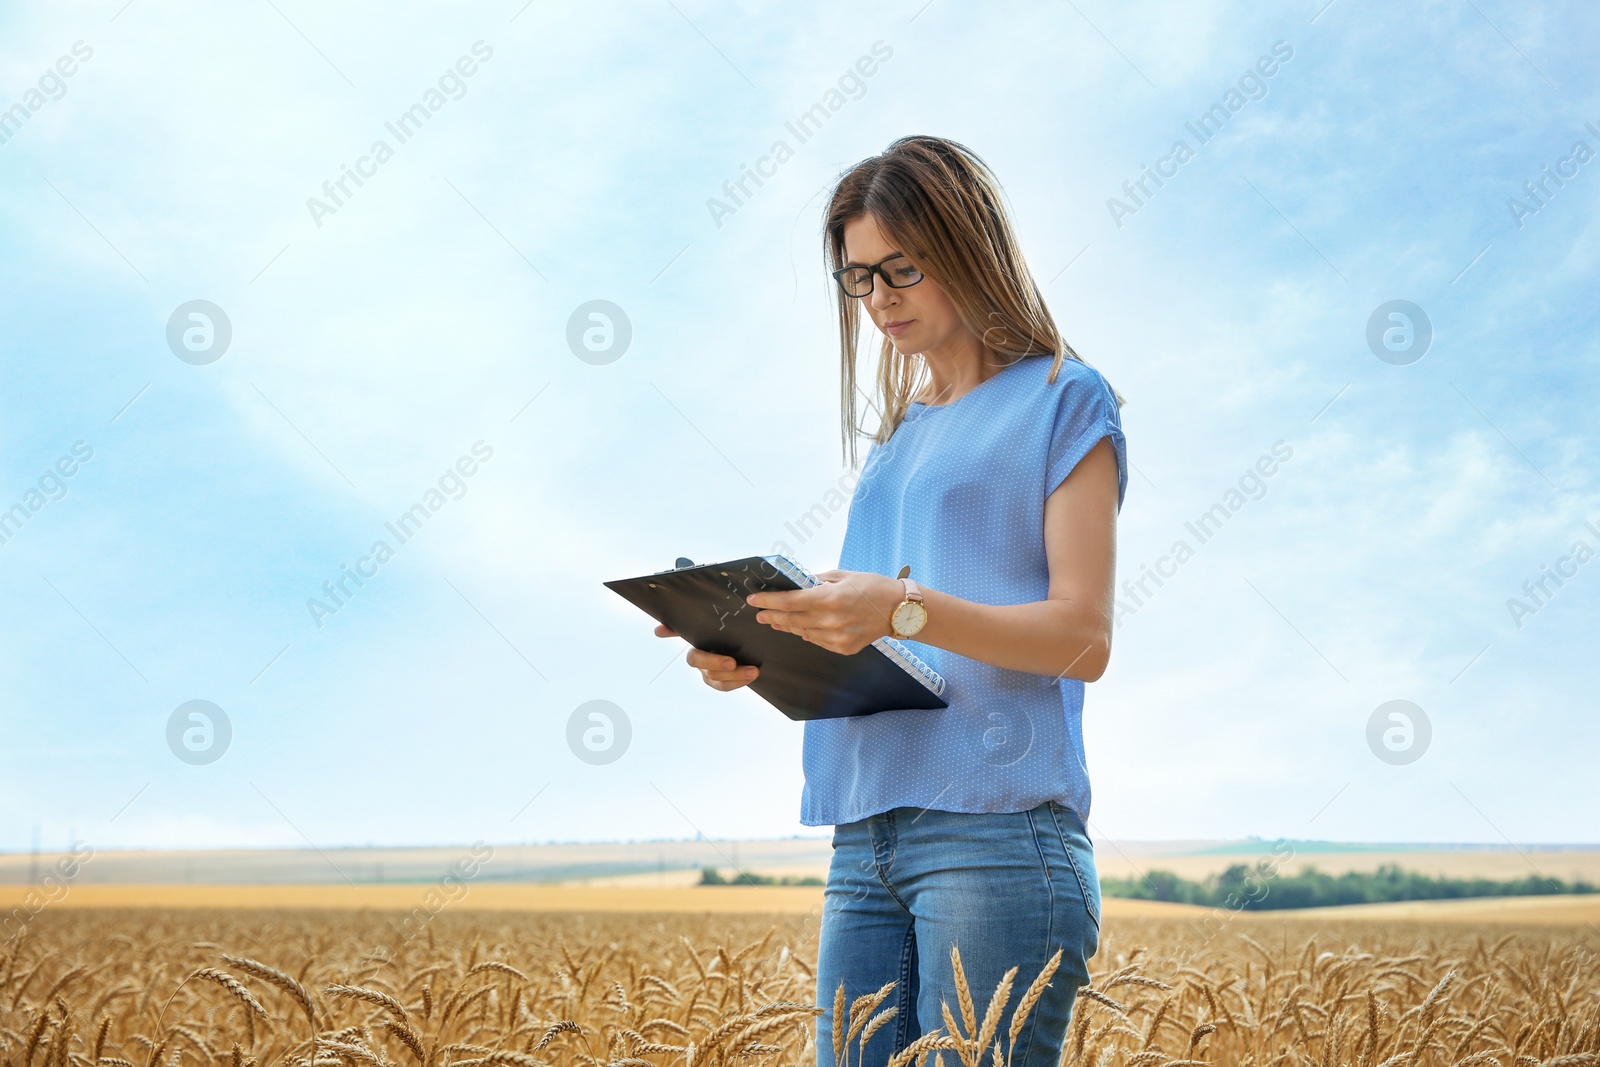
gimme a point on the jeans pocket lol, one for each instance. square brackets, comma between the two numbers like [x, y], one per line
[1080, 853]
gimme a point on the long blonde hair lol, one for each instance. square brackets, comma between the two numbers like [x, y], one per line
[941, 206]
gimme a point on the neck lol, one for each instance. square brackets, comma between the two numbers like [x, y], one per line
[956, 369]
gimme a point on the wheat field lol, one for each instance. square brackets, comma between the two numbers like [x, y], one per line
[265, 988]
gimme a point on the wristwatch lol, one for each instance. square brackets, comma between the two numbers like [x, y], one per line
[910, 615]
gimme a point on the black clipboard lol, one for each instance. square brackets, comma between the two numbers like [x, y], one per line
[705, 605]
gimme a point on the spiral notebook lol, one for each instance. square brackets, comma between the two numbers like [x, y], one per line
[705, 605]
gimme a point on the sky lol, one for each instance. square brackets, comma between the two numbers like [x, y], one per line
[1376, 267]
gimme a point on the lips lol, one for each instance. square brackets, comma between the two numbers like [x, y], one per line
[897, 325]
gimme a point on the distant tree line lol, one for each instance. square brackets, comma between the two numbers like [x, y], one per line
[1257, 889]
[712, 876]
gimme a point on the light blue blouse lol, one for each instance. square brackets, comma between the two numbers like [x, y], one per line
[958, 492]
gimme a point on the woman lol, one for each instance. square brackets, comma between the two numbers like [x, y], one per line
[996, 474]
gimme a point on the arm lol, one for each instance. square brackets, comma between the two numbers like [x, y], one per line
[1066, 635]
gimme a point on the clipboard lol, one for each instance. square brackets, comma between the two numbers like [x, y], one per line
[705, 604]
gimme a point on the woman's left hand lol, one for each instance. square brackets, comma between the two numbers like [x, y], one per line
[845, 614]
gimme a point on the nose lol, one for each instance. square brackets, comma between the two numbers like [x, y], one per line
[883, 295]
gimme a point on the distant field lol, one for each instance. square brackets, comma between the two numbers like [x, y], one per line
[1501, 863]
[473, 897]
[717, 900]
[666, 864]
[1490, 912]
[742, 900]
[643, 863]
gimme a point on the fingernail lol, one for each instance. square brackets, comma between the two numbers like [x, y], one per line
[750, 672]
[728, 664]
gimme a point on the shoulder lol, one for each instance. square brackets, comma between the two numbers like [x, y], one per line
[1074, 374]
[1076, 386]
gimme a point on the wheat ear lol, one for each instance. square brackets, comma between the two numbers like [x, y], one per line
[407, 1037]
[873, 1026]
[100, 1038]
[863, 1007]
[969, 1017]
[371, 996]
[517, 1059]
[839, 1047]
[922, 1046]
[352, 1051]
[272, 975]
[961, 1045]
[233, 986]
[565, 1026]
[991, 1016]
[296, 991]
[1431, 1003]
[1030, 997]
[38, 1034]
[1096, 995]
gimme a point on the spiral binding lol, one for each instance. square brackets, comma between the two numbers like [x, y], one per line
[897, 653]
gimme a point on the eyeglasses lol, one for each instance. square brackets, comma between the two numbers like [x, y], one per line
[857, 281]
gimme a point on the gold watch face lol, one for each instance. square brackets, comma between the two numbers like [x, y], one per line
[908, 618]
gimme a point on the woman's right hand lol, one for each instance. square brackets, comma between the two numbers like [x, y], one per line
[718, 671]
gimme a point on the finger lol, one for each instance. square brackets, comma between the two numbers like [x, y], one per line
[726, 687]
[779, 620]
[715, 661]
[832, 576]
[777, 598]
[730, 679]
[662, 630]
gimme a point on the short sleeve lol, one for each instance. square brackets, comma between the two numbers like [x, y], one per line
[1085, 411]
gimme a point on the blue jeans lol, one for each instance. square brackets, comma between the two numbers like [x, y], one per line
[1008, 889]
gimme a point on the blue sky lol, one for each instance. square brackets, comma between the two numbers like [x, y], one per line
[374, 346]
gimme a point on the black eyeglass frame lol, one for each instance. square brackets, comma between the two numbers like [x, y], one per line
[871, 269]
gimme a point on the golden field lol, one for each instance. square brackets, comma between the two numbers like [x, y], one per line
[289, 979]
